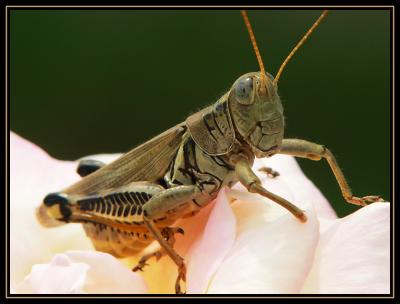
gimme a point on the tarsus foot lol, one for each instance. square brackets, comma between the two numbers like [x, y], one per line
[269, 171]
[139, 266]
[181, 276]
[142, 262]
[364, 201]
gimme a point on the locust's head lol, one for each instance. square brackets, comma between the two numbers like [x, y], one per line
[257, 113]
[255, 106]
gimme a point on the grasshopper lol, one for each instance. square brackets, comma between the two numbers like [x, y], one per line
[127, 204]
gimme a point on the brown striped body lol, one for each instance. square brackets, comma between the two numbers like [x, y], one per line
[124, 205]
[173, 175]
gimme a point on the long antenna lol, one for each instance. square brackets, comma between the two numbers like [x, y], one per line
[263, 86]
[299, 44]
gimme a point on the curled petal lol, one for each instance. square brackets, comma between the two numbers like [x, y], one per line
[252, 246]
[61, 276]
[213, 245]
[353, 255]
[269, 255]
[82, 272]
[33, 174]
[107, 274]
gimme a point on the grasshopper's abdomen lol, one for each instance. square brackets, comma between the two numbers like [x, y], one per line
[117, 241]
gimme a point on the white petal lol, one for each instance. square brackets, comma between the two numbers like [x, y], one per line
[208, 252]
[82, 272]
[107, 274]
[269, 255]
[61, 276]
[353, 255]
[33, 174]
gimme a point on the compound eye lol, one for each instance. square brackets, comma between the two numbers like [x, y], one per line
[244, 91]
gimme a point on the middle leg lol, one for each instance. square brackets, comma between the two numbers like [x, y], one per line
[169, 235]
[161, 205]
[253, 184]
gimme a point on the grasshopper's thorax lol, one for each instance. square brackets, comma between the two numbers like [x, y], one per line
[257, 113]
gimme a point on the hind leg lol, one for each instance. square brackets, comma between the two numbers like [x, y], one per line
[111, 207]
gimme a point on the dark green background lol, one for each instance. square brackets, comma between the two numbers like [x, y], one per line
[97, 81]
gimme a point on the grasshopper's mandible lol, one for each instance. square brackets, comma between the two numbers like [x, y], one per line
[136, 199]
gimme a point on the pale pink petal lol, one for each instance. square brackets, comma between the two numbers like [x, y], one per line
[106, 274]
[295, 187]
[193, 227]
[61, 276]
[82, 272]
[262, 225]
[33, 174]
[353, 255]
[269, 255]
[208, 252]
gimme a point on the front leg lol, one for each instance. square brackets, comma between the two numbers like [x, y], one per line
[253, 184]
[306, 149]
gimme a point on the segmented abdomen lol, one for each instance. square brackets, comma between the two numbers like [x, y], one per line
[117, 242]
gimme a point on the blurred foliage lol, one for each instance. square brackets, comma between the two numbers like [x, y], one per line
[101, 81]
